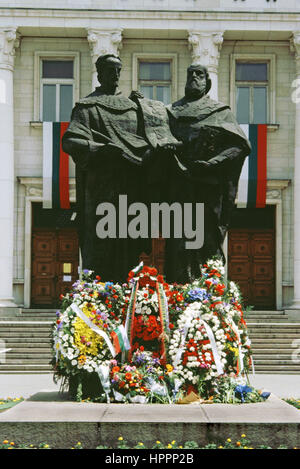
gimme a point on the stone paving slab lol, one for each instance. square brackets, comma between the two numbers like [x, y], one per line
[38, 409]
[27, 384]
[48, 417]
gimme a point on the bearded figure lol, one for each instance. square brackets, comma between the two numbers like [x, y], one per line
[114, 141]
[205, 169]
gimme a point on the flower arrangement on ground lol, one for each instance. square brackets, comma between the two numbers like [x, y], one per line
[148, 341]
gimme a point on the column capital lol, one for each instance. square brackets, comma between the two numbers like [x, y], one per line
[205, 47]
[9, 41]
[295, 48]
[104, 42]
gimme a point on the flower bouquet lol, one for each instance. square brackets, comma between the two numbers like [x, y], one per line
[144, 380]
[148, 341]
[88, 329]
[210, 339]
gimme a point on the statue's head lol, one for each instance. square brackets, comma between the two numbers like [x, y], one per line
[198, 82]
[108, 68]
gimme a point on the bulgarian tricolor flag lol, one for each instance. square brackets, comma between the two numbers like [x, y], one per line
[120, 339]
[253, 179]
[55, 167]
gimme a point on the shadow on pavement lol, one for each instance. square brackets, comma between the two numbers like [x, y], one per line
[49, 396]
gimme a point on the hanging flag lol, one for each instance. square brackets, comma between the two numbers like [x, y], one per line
[55, 167]
[253, 179]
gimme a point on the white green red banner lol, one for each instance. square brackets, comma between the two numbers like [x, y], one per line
[55, 167]
[253, 179]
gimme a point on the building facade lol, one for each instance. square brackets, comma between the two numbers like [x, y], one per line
[47, 55]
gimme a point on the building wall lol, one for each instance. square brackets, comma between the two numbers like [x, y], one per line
[280, 153]
[28, 138]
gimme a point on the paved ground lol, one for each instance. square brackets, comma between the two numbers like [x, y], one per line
[283, 386]
[47, 416]
[25, 385]
[273, 410]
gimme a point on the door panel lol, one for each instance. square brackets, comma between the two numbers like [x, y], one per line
[55, 258]
[157, 257]
[251, 264]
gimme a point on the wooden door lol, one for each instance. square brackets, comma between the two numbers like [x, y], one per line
[157, 256]
[251, 264]
[55, 259]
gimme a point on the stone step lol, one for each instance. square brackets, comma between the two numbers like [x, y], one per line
[267, 345]
[32, 352]
[273, 351]
[265, 311]
[277, 368]
[266, 316]
[15, 354]
[25, 325]
[275, 325]
[268, 340]
[28, 318]
[38, 310]
[27, 341]
[273, 335]
[16, 333]
[283, 320]
[28, 334]
[273, 360]
[27, 361]
[4, 368]
[29, 345]
[279, 362]
[274, 371]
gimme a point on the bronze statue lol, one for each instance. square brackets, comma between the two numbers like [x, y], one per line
[115, 143]
[206, 169]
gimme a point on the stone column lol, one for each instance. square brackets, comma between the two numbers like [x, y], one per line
[295, 45]
[205, 47]
[103, 42]
[8, 42]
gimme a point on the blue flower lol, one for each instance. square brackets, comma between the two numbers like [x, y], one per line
[265, 394]
[197, 294]
[242, 391]
[108, 284]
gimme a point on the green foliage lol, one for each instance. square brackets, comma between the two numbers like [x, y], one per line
[293, 402]
[242, 443]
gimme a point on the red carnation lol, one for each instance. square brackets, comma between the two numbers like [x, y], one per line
[153, 271]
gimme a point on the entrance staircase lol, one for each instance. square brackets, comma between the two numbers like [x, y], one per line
[275, 341]
[27, 334]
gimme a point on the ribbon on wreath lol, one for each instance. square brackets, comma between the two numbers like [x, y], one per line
[211, 337]
[94, 328]
[129, 322]
[120, 339]
[164, 319]
[163, 314]
[240, 357]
